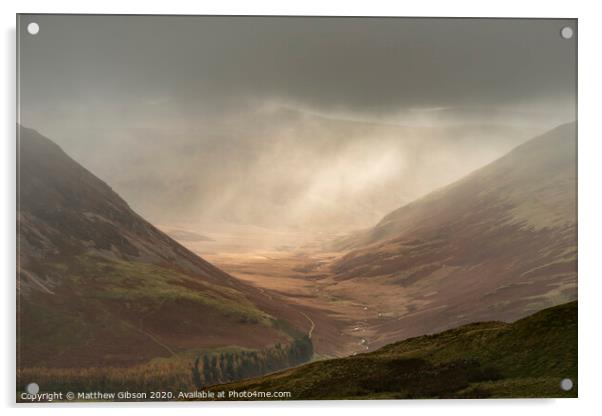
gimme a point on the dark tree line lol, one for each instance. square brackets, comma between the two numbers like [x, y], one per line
[215, 368]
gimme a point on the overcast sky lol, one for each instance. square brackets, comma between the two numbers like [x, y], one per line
[366, 66]
[290, 121]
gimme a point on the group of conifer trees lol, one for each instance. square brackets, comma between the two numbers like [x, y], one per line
[223, 367]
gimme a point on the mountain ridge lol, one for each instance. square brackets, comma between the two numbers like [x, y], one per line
[498, 244]
[53, 196]
[95, 278]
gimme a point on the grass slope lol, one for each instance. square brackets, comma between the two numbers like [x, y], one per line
[100, 287]
[499, 244]
[527, 358]
[104, 307]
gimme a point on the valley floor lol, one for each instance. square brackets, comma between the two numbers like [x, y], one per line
[348, 316]
[345, 317]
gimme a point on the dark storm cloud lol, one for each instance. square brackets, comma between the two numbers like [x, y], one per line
[317, 123]
[371, 66]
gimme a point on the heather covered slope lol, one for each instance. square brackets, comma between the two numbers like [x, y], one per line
[499, 244]
[534, 185]
[99, 286]
[527, 358]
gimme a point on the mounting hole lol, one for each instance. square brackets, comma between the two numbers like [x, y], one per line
[566, 32]
[33, 28]
[566, 384]
[32, 388]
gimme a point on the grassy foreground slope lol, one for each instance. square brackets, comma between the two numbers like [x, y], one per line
[527, 358]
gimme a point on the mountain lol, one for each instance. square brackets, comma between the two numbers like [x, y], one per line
[527, 358]
[498, 244]
[98, 286]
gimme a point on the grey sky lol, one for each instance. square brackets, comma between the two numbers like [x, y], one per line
[358, 65]
[290, 122]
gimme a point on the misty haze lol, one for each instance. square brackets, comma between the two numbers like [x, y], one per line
[322, 187]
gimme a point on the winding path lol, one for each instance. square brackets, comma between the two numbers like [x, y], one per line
[313, 325]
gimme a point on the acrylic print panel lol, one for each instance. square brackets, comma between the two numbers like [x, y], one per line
[296, 208]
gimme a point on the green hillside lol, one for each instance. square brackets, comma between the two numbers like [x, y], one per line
[527, 358]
